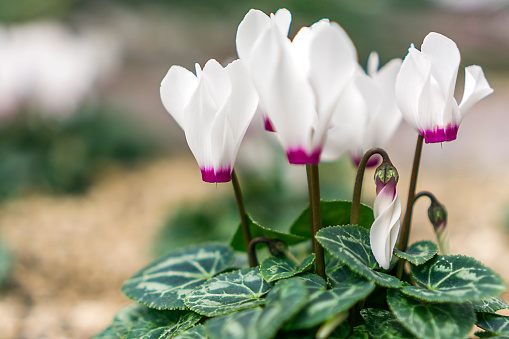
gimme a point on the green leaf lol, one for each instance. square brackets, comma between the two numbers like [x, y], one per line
[138, 321]
[454, 278]
[236, 325]
[283, 302]
[107, 333]
[495, 324]
[326, 304]
[164, 283]
[334, 213]
[338, 272]
[195, 332]
[351, 245]
[419, 252]
[257, 230]
[382, 324]
[431, 321]
[229, 292]
[276, 268]
[489, 305]
[5, 263]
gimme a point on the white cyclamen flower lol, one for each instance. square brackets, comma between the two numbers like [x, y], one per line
[385, 228]
[214, 108]
[298, 82]
[367, 114]
[425, 88]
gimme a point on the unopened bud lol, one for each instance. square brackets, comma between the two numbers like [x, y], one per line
[277, 247]
[384, 174]
[437, 214]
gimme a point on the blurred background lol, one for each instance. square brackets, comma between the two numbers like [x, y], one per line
[96, 179]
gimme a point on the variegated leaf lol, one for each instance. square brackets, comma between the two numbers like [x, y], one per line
[276, 268]
[494, 324]
[489, 305]
[229, 292]
[351, 245]
[165, 283]
[138, 321]
[431, 321]
[454, 278]
[418, 253]
[195, 332]
[382, 324]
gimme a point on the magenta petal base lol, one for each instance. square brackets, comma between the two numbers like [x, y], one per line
[448, 133]
[211, 175]
[299, 156]
[268, 125]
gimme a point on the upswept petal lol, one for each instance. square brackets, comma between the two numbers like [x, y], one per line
[414, 73]
[176, 89]
[347, 123]
[389, 117]
[255, 22]
[217, 81]
[372, 95]
[283, 19]
[332, 61]
[444, 56]
[283, 91]
[373, 63]
[199, 115]
[476, 88]
[253, 25]
[385, 228]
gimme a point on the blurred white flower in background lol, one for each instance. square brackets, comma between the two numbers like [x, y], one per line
[47, 67]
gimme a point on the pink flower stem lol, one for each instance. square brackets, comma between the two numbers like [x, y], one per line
[357, 189]
[243, 218]
[315, 212]
[407, 220]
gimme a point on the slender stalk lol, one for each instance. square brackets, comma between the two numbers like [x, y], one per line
[405, 228]
[252, 247]
[357, 189]
[316, 216]
[243, 217]
[428, 194]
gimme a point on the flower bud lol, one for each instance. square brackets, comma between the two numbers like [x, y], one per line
[437, 214]
[387, 210]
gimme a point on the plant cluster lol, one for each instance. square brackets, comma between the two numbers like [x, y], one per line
[355, 283]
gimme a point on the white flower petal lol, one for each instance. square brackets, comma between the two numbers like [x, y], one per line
[283, 19]
[176, 89]
[415, 72]
[476, 88]
[218, 83]
[385, 228]
[333, 60]
[373, 62]
[283, 90]
[255, 22]
[444, 56]
[347, 124]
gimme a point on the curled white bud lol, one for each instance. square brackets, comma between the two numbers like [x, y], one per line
[385, 228]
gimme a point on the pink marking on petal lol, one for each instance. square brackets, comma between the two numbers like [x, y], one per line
[268, 125]
[440, 134]
[298, 156]
[211, 175]
[390, 187]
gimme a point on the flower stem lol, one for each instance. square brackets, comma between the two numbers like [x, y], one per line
[357, 189]
[405, 228]
[243, 217]
[316, 216]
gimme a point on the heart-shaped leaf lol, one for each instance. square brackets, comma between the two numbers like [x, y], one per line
[431, 321]
[351, 245]
[164, 283]
[229, 292]
[419, 252]
[138, 321]
[494, 324]
[454, 278]
[489, 305]
[195, 332]
[276, 268]
[382, 324]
